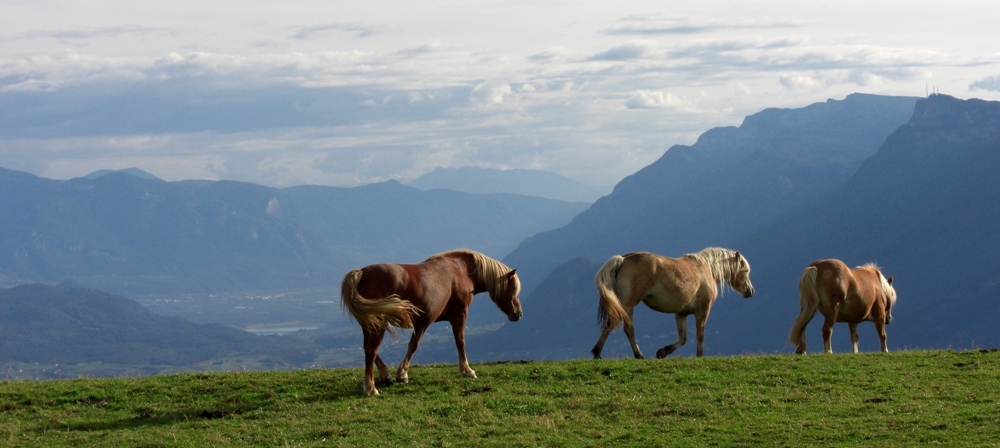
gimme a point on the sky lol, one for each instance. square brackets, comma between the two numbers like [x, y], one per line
[353, 92]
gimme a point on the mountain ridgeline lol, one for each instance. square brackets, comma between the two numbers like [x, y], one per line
[128, 234]
[471, 179]
[924, 206]
[732, 183]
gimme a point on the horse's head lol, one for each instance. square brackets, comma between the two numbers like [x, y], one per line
[508, 302]
[890, 298]
[739, 279]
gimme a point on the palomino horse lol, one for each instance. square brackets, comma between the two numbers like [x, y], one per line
[682, 286]
[381, 296]
[843, 295]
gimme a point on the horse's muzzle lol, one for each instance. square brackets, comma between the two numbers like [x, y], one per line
[748, 294]
[514, 316]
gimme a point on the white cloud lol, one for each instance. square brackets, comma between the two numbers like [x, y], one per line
[799, 81]
[649, 99]
[490, 93]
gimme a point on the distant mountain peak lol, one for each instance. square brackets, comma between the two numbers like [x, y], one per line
[528, 182]
[130, 171]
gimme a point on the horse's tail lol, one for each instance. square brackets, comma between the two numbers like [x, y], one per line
[610, 313]
[809, 299]
[376, 314]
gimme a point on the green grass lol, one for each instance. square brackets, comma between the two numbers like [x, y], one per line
[899, 399]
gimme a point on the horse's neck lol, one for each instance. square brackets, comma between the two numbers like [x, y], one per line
[478, 285]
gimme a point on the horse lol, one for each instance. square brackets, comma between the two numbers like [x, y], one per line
[382, 296]
[843, 295]
[682, 286]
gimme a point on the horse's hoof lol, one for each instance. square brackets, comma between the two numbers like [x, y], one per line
[800, 352]
[469, 374]
[664, 352]
[373, 392]
[639, 356]
[596, 352]
[404, 378]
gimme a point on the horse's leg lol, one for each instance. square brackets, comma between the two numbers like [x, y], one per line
[630, 332]
[383, 370]
[404, 365]
[699, 327]
[828, 322]
[682, 337]
[880, 328]
[458, 328]
[854, 335]
[372, 340]
[599, 346]
[800, 348]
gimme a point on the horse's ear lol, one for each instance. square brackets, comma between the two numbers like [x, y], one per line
[737, 254]
[511, 273]
[889, 280]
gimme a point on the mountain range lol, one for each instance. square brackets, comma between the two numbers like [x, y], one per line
[923, 206]
[124, 233]
[476, 180]
[733, 182]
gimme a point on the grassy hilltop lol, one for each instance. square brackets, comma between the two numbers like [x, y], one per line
[899, 399]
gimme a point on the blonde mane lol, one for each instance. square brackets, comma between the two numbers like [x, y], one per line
[886, 287]
[722, 262]
[491, 273]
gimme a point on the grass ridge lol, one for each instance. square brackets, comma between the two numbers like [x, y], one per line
[896, 399]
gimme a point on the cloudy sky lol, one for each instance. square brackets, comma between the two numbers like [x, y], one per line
[352, 92]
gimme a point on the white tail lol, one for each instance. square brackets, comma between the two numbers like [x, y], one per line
[809, 299]
[610, 313]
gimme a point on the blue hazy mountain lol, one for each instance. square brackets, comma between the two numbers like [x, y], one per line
[68, 324]
[924, 206]
[131, 171]
[478, 180]
[125, 234]
[732, 183]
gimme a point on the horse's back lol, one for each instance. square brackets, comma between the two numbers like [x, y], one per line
[665, 284]
[429, 284]
[853, 289]
[833, 277]
[383, 280]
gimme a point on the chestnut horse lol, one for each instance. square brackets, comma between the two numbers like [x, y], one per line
[843, 295]
[382, 296]
[682, 286]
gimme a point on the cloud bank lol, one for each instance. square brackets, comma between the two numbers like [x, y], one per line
[371, 93]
